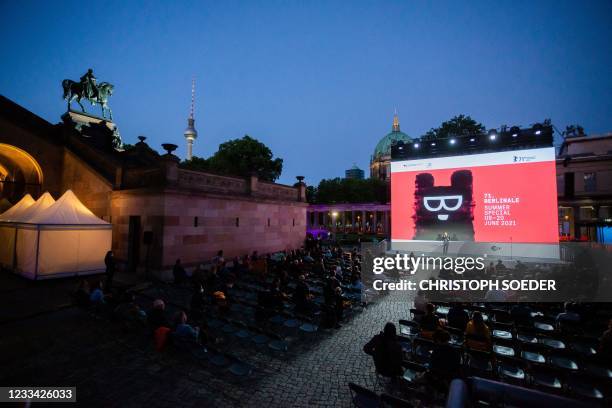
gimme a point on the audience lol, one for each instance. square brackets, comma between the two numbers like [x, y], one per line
[605, 345]
[445, 362]
[387, 352]
[478, 333]
[457, 317]
[157, 315]
[179, 272]
[182, 330]
[430, 322]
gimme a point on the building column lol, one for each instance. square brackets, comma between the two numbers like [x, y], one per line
[363, 220]
[375, 221]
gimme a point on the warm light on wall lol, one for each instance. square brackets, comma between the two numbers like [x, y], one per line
[18, 155]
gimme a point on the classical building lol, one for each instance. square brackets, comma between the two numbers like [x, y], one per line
[584, 186]
[159, 211]
[354, 173]
[350, 218]
[380, 162]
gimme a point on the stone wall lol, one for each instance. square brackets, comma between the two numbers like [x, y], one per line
[193, 227]
[92, 189]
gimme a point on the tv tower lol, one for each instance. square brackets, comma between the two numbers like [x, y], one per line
[190, 133]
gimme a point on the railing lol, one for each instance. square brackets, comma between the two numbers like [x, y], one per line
[196, 180]
[206, 182]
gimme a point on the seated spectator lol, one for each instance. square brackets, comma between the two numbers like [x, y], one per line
[457, 317]
[220, 300]
[182, 330]
[568, 315]
[605, 345]
[521, 314]
[387, 352]
[81, 294]
[198, 303]
[430, 322]
[339, 303]
[254, 256]
[157, 316]
[218, 259]
[302, 296]
[96, 296]
[179, 272]
[445, 363]
[198, 277]
[356, 281]
[521, 267]
[276, 295]
[500, 266]
[479, 333]
[130, 311]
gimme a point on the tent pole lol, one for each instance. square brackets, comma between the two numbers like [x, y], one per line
[15, 252]
[37, 249]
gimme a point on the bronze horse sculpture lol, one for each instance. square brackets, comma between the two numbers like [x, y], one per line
[76, 91]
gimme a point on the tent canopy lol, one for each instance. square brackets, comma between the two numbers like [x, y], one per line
[44, 201]
[67, 210]
[14, 212]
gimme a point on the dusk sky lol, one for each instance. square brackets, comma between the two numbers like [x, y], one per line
[315, 81]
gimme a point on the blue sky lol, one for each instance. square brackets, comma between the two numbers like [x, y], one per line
[315, 81]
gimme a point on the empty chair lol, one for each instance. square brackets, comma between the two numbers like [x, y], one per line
[362, 397]
[240, 369]
[422, 350]
[562, 360]
[552, 344]
[412, 371]
[533, 353]
[456, 336]
[479, 363]
[503, 350]
[583, 388]
[546, 378]
[510, 369]
[389, 401]
[409, 328]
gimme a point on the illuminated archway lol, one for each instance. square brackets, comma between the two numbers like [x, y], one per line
[20, 173]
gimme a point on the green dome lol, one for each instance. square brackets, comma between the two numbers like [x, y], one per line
[383, 148]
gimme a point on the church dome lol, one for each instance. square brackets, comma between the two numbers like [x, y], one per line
[383, 148]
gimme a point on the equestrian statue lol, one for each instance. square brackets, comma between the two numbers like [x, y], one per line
[88, 89]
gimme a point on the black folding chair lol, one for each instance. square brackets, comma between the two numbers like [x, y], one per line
[362, 397]
[389, 401]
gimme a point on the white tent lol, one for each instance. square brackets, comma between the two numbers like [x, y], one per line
[64, 239]
[8, 232]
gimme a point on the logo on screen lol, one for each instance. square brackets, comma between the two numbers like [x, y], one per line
[444, 209]
[446, 203]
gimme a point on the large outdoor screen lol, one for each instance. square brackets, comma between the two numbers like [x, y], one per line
[502, 197]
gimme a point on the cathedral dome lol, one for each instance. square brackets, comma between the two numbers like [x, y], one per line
[383, 148]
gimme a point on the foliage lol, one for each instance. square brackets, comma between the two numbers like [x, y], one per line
[456, 126]
[574, 131]
[127, 146]
[348, 191]
[240, 157]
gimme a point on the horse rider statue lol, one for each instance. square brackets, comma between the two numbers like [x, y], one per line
[87, 88]
[88, 81]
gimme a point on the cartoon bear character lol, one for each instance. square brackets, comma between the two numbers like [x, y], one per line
[444, 209]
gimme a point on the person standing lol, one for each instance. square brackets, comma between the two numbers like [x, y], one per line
[445, 240]
[109, 261]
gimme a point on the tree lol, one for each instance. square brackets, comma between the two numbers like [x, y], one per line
[196, 163]
[240, 157]
[574, 131]
[457, 126]
[349, 191]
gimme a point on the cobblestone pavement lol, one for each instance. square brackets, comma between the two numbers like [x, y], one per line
[111, 366]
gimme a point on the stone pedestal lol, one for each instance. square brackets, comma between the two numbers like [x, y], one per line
[98, 131]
